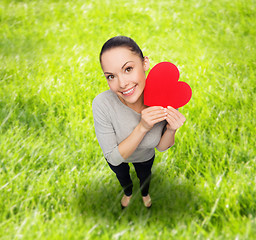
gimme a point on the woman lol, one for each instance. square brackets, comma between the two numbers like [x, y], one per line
[127, 130]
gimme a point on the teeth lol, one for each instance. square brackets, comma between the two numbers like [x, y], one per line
[128, 91]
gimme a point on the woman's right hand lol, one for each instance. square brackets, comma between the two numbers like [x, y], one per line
[150, 116]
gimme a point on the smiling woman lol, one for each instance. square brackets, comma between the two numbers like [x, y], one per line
[126, 80]
[128, 131]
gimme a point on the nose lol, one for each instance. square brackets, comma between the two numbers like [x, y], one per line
[123, 82]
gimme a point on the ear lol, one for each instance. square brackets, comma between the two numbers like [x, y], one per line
[146, 63]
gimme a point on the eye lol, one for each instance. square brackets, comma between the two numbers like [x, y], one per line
[129, 69]
[110, 77]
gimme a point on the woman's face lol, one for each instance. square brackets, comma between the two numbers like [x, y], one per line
[125, 73]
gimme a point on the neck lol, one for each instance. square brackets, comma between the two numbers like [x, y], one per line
[137, 106]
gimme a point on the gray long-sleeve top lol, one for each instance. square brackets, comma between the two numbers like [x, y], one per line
[114, 122]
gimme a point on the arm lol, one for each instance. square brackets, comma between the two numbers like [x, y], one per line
[174, 121]
[167, 140]
[149, 117]
[106, 136]
[105, 133]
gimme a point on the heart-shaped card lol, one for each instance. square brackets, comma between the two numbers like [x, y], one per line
[163, 88]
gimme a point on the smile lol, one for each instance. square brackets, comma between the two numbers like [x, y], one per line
[130, 91]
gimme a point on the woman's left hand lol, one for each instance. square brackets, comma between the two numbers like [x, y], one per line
[174, 118]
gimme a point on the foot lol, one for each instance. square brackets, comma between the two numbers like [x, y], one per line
[147, 201]
[125, 201]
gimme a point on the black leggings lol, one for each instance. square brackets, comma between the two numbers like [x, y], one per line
[143, 171]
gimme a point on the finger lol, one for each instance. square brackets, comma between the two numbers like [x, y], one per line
[156, 116]
[150, 109]
[172, 125]
[159, 120]
[174, 115]
[153, 111]
[157, 112]
[175, 121]
[174, 111]
[180, 115]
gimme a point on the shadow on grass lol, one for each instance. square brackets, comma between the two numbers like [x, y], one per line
[172, 200]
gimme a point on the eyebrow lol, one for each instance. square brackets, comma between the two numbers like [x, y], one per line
[121, 68]
[125, 64]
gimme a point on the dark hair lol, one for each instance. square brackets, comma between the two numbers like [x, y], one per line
[122, 41]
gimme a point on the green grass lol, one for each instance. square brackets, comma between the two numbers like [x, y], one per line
[54, 181]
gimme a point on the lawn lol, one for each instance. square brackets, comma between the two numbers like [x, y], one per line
[54, 180]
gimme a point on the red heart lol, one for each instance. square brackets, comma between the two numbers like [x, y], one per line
[163, 88]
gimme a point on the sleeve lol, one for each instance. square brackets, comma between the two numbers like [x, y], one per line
[106, 135]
